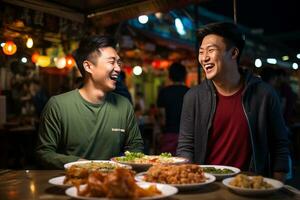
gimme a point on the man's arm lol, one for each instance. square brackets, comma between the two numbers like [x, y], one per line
[49, 137]
[185, 146]
[279, 139]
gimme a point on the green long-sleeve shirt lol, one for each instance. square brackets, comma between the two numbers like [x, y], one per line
[72, 128]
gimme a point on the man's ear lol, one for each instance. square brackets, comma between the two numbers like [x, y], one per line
[87, 66]
[235, 52]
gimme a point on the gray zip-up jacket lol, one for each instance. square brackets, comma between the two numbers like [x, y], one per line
[268, 133]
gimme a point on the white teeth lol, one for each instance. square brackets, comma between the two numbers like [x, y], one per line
[208, 66]
[114, 77]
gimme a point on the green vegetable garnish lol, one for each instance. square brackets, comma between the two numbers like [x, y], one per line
[166, 155]
[214, 170]
[130, 156]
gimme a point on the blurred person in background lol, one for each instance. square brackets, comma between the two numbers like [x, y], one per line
[269, 75]
[232, 118]
[39, 96]
[279, 79]
[91, 122]
[287, 95]
[169, 102]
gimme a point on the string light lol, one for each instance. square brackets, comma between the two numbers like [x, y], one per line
[10, 48]
[34, 57]
[143, 19]
[70, 62]
[29, 42]
[43, 61]
[258, 63]
[137, 70]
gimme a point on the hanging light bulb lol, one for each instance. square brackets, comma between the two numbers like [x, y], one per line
[24, 60]
[9, 48]
[60, 62]
[143, 19]
[29, 42]
[70, 62]
[137, 70]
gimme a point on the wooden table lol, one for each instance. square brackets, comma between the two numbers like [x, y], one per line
[17, 146]
[33, 184]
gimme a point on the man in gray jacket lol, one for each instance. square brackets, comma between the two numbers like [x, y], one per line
[232, 118]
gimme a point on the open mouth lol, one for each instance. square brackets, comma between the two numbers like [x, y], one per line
[208, 67]
[114, 77]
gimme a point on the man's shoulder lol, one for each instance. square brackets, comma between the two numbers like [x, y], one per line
[198, 89]
[69, 94]
[64, 97]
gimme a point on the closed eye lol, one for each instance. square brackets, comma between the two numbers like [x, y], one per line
[211, 50]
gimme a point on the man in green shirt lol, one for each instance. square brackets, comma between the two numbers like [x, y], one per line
[91, 122]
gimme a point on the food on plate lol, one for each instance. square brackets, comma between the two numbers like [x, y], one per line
[250, 182]
[214, 170]
[175, 174]
[118, 183]
[140, 158]
[78, 173]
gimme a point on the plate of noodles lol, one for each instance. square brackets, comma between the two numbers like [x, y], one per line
[142, 162]
[76, 173]
[102, 165]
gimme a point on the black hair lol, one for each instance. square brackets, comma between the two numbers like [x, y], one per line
[233, 37]
[177, 72]
[88, 47]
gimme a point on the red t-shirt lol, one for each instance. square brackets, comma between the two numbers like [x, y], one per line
[229, 141]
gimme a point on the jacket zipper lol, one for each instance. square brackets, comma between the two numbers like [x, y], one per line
[251, 137]
[214, 110]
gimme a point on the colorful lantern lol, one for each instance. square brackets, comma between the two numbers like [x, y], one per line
[34, 57]
[164, 64]
[43, 61]
[9, 48]
[155, 64]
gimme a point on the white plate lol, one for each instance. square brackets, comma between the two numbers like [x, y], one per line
[166, 191]
[59, 181]
[252, 192]
[222, 176]
[146, 166]
[67, 165]
[210, 178]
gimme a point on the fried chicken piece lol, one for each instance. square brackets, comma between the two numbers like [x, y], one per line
[95, 186]
[76, 175]
[121, 183]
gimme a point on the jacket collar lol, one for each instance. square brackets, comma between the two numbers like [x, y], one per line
[249, 78]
